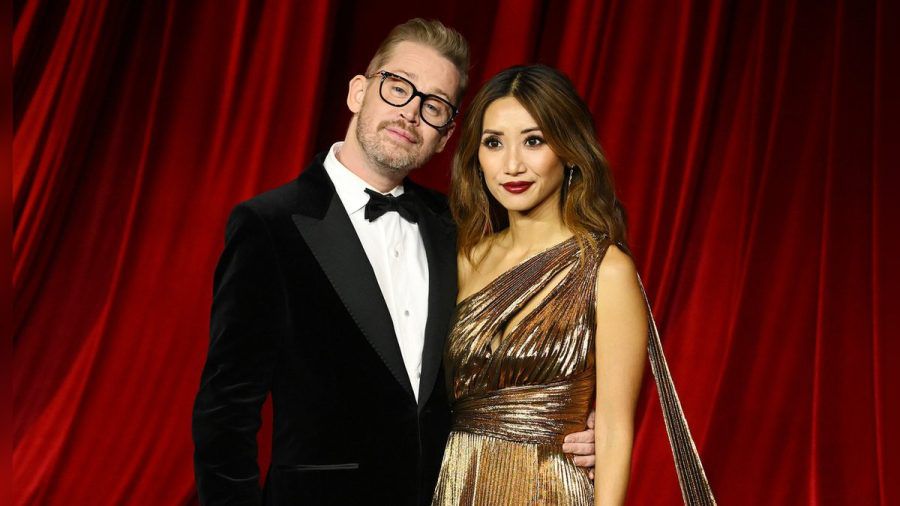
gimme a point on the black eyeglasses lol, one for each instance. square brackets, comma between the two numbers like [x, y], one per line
[397, 91]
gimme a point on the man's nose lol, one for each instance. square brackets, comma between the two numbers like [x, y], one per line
[410, 111]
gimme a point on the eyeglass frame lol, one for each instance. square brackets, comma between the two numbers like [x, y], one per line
[454, 110]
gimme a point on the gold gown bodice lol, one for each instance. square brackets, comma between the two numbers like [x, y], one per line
[517, 390]
[520, 381]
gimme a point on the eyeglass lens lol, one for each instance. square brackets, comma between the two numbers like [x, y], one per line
[398, 92]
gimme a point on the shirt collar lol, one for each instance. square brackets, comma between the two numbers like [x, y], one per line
[351, 189]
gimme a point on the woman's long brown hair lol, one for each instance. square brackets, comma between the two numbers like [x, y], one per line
[588, 206]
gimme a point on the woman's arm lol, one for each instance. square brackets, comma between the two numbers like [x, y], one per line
[621, 343]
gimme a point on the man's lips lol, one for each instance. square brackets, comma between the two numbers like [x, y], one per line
[517, 186]
[402, 134]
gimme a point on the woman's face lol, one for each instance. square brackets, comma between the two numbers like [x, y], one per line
[520, 169]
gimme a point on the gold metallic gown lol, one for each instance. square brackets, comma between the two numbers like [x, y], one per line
[513, 405]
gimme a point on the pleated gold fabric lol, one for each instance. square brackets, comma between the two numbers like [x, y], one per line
[513, 405]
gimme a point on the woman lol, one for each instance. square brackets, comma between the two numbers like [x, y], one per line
[551, 319]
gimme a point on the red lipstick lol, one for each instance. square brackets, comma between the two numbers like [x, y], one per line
[517, 186]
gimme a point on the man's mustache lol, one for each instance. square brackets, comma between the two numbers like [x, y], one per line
[401, 125]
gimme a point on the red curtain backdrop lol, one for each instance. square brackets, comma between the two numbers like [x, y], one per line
[754, 143]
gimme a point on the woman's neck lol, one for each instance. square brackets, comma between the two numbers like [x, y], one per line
[534, 233]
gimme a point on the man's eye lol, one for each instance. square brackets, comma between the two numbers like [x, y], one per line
[399, 91]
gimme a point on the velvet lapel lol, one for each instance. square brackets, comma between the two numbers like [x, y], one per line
[439, 239]
[326, 228]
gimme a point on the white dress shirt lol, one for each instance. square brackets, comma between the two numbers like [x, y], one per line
[395, 250]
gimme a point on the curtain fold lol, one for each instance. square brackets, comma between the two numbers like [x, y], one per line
[754, 145]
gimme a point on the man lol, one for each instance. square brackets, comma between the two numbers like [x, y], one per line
[335, 293]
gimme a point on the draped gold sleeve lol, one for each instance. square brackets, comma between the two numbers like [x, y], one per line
[695, 489]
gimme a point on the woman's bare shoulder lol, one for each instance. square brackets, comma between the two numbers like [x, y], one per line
[468, 262]
[617, 266]
[470, 267]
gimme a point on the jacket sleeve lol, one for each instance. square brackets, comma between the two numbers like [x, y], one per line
[246, 323]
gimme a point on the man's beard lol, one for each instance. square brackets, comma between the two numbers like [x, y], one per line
[391, 159]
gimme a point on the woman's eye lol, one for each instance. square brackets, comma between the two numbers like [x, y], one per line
[491, 142]
[534, 140]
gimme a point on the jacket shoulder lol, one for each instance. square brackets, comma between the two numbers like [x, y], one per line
[308, 194]
[277, 201]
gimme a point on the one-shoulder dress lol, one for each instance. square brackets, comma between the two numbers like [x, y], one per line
[514, 401]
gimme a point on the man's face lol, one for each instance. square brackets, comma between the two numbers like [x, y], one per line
[395, 139]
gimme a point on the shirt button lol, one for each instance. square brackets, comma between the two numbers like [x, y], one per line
[406, 313]
[396, 254]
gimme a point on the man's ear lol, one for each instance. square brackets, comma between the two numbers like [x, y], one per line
[445, 136]
[356, 91]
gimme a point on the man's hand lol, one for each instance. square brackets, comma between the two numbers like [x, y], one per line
[581, 445]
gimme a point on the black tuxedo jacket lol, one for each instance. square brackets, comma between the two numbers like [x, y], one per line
[297, 312]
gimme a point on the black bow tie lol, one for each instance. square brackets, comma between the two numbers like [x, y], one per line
[379, 204]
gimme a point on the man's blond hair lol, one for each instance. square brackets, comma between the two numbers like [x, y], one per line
[434, 34]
